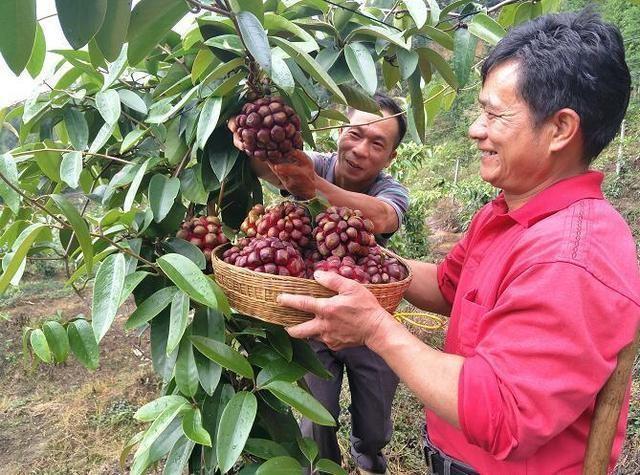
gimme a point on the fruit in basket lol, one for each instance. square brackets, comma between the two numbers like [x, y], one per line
[341, 231]
[345, 266]
[269, 255]
[249, 225]
[287, 221]
[268, 129]
[382, 269]
[204, 232]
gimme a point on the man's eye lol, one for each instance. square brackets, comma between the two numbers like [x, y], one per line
[353, 133]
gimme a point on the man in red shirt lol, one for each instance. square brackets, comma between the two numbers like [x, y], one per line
[543, 291]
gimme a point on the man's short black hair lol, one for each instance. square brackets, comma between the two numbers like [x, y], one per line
[388, 104]
[572, 60]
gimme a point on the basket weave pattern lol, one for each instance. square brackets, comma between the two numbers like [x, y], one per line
[254, 293]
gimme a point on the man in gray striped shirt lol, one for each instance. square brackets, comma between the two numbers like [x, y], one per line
[354, 177]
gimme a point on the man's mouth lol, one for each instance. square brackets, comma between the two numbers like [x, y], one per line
[488, 153]
[352, 164]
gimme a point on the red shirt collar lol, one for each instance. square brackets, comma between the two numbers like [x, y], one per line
[558, 196]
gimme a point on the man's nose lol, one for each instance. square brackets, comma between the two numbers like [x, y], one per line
[361, 148]
[478, 129]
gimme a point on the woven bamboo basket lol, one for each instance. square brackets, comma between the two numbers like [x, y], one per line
[254, 293]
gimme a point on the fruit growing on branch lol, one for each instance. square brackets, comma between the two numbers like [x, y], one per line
[249, 225]
[204, 232]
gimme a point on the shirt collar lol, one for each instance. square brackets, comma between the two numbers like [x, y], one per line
[558, 196]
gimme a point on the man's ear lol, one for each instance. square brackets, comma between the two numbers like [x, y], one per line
[565, 129]
[391, 157]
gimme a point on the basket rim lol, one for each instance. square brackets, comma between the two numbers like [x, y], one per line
[218, 250]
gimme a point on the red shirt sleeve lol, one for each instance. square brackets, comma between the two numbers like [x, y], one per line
[542, 353]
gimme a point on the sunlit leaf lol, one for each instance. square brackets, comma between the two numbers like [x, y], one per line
[107, 291]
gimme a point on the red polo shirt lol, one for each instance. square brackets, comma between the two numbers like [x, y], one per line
[543, 299]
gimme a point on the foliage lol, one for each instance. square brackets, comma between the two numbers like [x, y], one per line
[132, 138]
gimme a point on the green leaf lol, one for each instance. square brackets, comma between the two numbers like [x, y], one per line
[191, 185]
[308, 447]
[362, 66]
[102, 137]
[442, 38]
[329, 466]
[159, 425]
[281, 342]
[208, 120]
[264, 448]
[150, 21]
[133, 101]
[83, 343]
[201, 63]
[162, 194]
[128, 447]
[235, 426]
[275, 23]
[107, 292]
[224, 355]
[133, 188]
[9, 170]
[280, 370]
[463, 54]
[378, 32]
[40, 346]
[441, 65]
[71, 168]
[523, 13]
[283, 465]
[186, 275]
[255, 39]
[434, 11]
[312, 68]
[418, 11]
[80, 20]
[390, 74]
[301, 400]
[57, 339]
[108, 104]
[79, 226]
[77, 128]
[131, 281]
[357, 99]
[186, 373]
[36, 60]
[486, 28]
[150, 411]
[209, 323]
[21, 247]
[280, 73]
[416, 106]
[131, 139]
[17, 32]
[179, 320]
[178, 458]
[222, 161]
[185, 248]
[113, 32]
[193, 429]
[163, 110]
[223, 69]
[407, 62]
[151, 307]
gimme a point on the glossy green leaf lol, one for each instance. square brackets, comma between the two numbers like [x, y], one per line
[463, 55]
[17, 32]
[151, 307]
[131, 139]
[20, 247]
[150, 21]
[36, 60]
[209, 323]
[280, 341]
[40, 346]
[57, 339]
[222, 161]
[276, 23]
[442, 38]
[107, 292]
[102, 137]
[131, 281]
[83, 343]
[193, 429]
[280, 370]
[108, 104]
[178, 458]
[116, 69]
[454, 6]
[71, 168]
[362, 66]
[486, 28]
[80, 20]
[77, 128]
[235, 425]
[358, 99]
[441, 65]
[418, 11]
[179, 320]
[185, 248]
[113, 32]
[9, 170]
[191, 185]
[329, 466]
[163, 192]
[312, 68]
[390, 74]
[255, 39]
[133, 101]
[373, 31]
[223, 69]
[150, 411]
[224, 355]
[264, 448]
[434, 11]
[159, 115]
[301, 400]
[282, 465]
[186, 275]
[79, 226]
[304, 355]
[128, 447]
[186, 373]
[208, 120]
[158, 426]
[159, 448]
[523, 13]
[204, 59]
[280, 72]
[417, 107]
[308, 447]
[135, 185]
[407, 62]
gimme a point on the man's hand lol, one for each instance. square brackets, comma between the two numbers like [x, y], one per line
[348, 319]
[298, 176]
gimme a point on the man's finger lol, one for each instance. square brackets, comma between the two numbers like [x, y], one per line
[309, 329]
[335, 282]
[300, 302]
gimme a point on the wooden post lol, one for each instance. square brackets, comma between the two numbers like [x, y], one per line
[607, 412]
